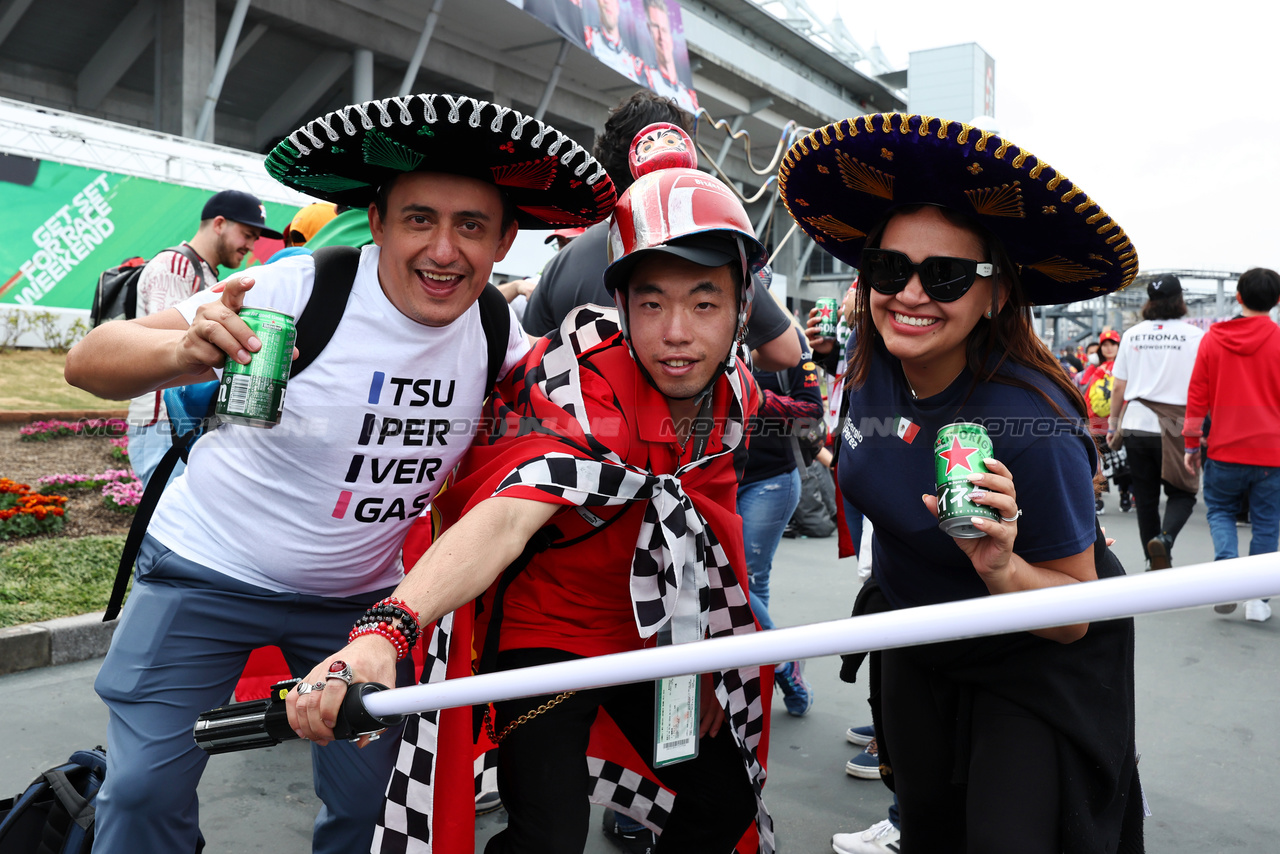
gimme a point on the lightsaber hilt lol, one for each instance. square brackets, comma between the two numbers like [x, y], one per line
[265, 723]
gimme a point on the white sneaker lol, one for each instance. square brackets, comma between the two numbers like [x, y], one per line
[1257, 610]
[876, 839]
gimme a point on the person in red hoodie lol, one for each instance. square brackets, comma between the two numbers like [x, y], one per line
[1235, 386]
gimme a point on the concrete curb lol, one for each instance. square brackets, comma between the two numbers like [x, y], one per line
[59, 641]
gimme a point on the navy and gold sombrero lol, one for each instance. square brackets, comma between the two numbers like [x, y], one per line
[840, 181]
[346, 155]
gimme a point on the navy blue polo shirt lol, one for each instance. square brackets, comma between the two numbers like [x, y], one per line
[886, 463]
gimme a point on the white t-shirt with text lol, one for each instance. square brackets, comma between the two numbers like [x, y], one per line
[321, 502]
[1155, 361]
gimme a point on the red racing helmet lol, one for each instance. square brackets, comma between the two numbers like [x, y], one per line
[668, 206]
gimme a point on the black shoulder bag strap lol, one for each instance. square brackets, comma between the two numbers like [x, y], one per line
[495, 319]
[335, 275]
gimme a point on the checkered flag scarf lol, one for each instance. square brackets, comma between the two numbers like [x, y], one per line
[680, 575]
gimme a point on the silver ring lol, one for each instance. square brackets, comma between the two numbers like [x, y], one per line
[1015, 518]
[319, 686]
[303, 688]
[343, 672]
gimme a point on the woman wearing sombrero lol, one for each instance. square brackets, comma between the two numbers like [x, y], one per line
[1020, 743]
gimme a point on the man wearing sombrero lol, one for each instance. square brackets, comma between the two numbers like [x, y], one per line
[596, 514]
[1020, 743]
[286, 536]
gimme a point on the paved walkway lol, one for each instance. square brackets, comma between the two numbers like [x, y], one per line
[1208, 695]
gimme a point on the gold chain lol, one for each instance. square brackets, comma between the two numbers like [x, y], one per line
[497, 737]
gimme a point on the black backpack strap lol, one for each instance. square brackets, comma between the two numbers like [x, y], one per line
[336, 268]
[495, 318]
[138, 527]
[78, 808]
[335, 275]
[196, 261]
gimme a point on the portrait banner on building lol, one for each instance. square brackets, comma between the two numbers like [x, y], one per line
[643, 40]
[63, 225]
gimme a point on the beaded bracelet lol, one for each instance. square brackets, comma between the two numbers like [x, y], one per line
[393, 612]
[394, 620]
[392, 634]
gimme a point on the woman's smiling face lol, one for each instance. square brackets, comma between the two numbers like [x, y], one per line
[921, 332]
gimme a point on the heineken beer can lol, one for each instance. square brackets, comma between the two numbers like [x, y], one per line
[828, 309]
[253, 394]
[958, 452]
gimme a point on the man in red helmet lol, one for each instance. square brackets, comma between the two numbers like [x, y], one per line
[596, 514]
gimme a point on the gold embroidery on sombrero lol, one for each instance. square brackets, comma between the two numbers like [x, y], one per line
[826, 137]
[859, 176]
[327, 183]
[982, 143]
[1100, 258]
[381, 150]
[1005, 200]
[533, 174]
[974, 169]
[802, 203]
[834, 228]
[1049, 209]
[886, 154]
[925, 121]
[1019, 160]
[1000, 152]
[1065, 270]
[963, 137]
[824, 170]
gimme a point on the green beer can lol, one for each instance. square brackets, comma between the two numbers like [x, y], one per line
[958, 452]
[828, 310]
[253, 394]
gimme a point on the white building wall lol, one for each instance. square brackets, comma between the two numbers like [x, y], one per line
[951, 82]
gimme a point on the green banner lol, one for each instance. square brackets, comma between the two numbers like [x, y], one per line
[66, 224]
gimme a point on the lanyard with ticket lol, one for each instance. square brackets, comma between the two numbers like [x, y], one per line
[675, 715]
[676, 699]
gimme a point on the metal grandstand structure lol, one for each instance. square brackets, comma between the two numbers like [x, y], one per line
[1068, 325]
[832, 36]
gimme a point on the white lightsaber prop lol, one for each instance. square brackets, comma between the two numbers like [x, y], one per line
[1256, 577]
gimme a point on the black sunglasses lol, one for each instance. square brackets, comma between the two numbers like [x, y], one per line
[944, 279]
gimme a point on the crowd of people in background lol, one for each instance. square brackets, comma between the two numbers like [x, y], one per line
[938, 331]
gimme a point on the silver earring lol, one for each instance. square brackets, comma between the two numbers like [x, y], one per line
[988, 314]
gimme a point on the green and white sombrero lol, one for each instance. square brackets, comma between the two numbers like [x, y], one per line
[841, 180]
[346, 155]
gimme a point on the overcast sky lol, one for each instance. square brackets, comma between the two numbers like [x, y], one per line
[1167, 114]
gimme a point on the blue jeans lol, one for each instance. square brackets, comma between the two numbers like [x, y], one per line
[1224, 486]
[147, 446]
[765, 507]
[178, 651]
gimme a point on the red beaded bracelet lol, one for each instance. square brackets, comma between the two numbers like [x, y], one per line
[392, 634]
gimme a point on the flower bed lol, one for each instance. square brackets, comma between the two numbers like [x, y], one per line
[24, 513]
[59, 483]
[122, 496]
[43, 431]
